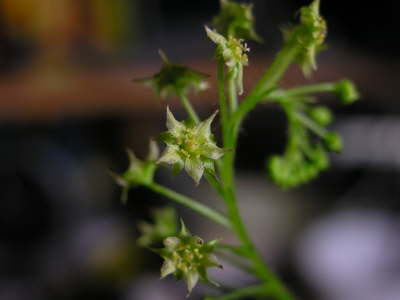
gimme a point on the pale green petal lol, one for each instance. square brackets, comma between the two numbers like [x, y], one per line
[195, 169]
[170, 156]
[154, 151]
[174, 126]
[212, 151]
[204, 128]
[171, 242]
[191, 280]
[167, 268]
[121, 181]
[216, 37]
[213, 261]
[184, 231]
[134, 162]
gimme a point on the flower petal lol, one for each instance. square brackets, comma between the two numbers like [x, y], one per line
[212, 151]
[170, 156]
[194, 168]
[167, 268]
[171, 243]
[154, 151]
[191, 280]
[203, 129]
[174, 126]
[216, 37]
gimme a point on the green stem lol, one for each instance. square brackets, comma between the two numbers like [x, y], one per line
[214, 183]
[256, 290]
[269, 80]
[189, 108]
[310, 124]
[230, 135]
[192, 204]
[233, 101]
[221, 93]
[326, 87]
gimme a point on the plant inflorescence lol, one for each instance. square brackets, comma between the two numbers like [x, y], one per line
[191, 145]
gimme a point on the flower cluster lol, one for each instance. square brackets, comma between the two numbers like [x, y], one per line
[304, 159]
[236, 20]
[188, 257]
[190, 146]
[310, 36]
[175, 79]
[233, 52]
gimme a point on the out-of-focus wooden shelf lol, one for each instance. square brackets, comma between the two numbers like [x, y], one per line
[47, 96]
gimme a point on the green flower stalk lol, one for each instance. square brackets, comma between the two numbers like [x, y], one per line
[188, 257]
[236, 20]
[175, 79]
[234, 53]
[139, 172]
[191, 147]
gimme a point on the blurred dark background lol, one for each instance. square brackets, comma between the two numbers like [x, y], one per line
[68, 110]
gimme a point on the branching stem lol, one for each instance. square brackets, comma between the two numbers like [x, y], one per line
[192, 204]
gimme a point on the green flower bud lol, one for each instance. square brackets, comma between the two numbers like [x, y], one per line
[165, 224]
[333, 142]
[234, 54]
[188, 257]
[321, 114]
[139, 172]
[236, 20]
[190, 146]
[175, 79]
[347, 91]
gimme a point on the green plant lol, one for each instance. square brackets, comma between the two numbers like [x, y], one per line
[190, 144]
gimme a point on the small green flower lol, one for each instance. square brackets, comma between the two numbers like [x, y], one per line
[236, 20]
[333, 142]
[165, 224]
[310, 34]
[175, 79]
[234, 53]
[347, 91]
[188, 257]
[190, 146]
[321, 114]
[139, 172]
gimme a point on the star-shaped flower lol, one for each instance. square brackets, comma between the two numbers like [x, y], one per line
[139, 171]
[190, 146]
[175, 79]
[188, 257]
[236, 20]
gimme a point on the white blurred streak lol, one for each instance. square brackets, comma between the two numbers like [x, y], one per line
[370, 140]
